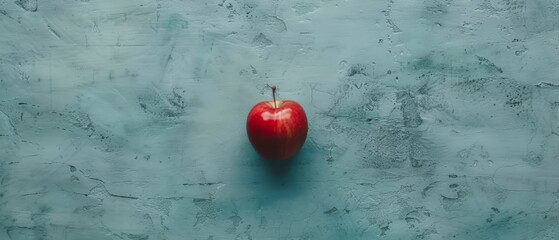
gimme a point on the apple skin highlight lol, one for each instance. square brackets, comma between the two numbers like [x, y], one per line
[277, 129]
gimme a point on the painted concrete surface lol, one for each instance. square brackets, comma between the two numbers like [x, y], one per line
[428, 119]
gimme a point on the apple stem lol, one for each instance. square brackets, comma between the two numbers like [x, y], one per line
[274, 95]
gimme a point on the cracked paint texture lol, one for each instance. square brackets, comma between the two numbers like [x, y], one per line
[435, 119]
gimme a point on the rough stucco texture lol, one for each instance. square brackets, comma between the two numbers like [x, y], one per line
[434, 119]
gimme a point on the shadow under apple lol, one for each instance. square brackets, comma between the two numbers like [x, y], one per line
[283, 173]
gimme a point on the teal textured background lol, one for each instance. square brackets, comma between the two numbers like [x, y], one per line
[428, 119]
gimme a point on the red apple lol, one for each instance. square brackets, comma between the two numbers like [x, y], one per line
[277, 129]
